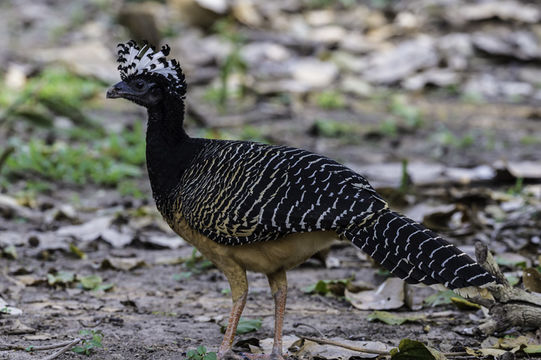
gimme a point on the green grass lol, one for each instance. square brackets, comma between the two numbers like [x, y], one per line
[54, 92]
[529, 140]
[232, 64]
[92, 339]
[330, 100]
[115, 160]
[333, 129]
[447, 138]
[410, 114]
[200, 353]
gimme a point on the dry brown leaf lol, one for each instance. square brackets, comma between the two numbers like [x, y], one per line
[389, 295]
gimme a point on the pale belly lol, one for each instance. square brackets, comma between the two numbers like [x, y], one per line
[264, 257]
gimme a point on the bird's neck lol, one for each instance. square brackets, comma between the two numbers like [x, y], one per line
[169, 149]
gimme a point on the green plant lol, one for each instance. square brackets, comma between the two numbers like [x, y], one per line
[77, 164]
[90, 343]
[130, 188]
[405, 179]
[411, 115]
[473, 98]
[328, 287]
[332, 128]
[244, 326]
[233, 62]
[330, 99]
[530, 140]
[55, 91]
[94, 283]
[195, 264]
[249, 132]
[447, 138]
[389, 127]
[62, 278]
[517, 188]
[113, 160]
[200, 353]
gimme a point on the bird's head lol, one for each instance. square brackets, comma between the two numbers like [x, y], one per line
[147, 76]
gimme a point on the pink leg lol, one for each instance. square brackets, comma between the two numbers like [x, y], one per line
[236, 311]
[278, 284]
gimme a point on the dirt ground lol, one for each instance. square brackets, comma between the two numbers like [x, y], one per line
[149, 315]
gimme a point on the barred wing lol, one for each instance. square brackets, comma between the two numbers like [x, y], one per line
[242, 192]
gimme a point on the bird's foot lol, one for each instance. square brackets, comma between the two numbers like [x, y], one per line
[230, 355]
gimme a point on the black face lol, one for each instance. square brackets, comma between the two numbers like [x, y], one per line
[142, 91]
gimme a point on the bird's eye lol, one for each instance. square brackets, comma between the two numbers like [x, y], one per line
[139, 84]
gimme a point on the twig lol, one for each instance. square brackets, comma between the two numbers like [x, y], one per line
[342, 345]
[363, 350]
[63, 350]
[296, 325]
[36, 348]
[84, 324]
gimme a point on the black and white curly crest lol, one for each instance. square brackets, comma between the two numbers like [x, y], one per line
[136, 61]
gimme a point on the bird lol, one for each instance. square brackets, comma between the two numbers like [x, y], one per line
[248, 206]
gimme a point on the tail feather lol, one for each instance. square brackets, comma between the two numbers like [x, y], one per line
[412, 252]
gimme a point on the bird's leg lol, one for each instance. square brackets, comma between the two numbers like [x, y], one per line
[239, 291]
[234, 317]
[278, 284]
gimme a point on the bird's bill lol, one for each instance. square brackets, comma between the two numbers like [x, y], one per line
[119, 90]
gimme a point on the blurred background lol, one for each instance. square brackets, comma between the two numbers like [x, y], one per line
[435, 101]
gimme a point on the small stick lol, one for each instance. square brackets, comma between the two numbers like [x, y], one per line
[342, 345]
[63, 350]
[363, 350]
[296, 325]
[36, 348]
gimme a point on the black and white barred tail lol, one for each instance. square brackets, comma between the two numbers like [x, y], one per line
[417, 255]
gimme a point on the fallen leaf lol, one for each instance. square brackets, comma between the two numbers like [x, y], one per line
[485, 352]
[440, 298]
[248, 325]
[88, 231]
[513, 343]
[61, 278]
[6, 309]
[77, 252]
[10, 208]
[38, 337]
[163, 242]
[464, 304]
[245, 326]
[125, 264]
[512, 260]
[93, 282]
[15, 327]
[9, 252]
[325, 287]
[28, 280]
[306, 349]
[393, 319]
[532, 349]
[117, 238]
[411, 349]
[389, 295]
